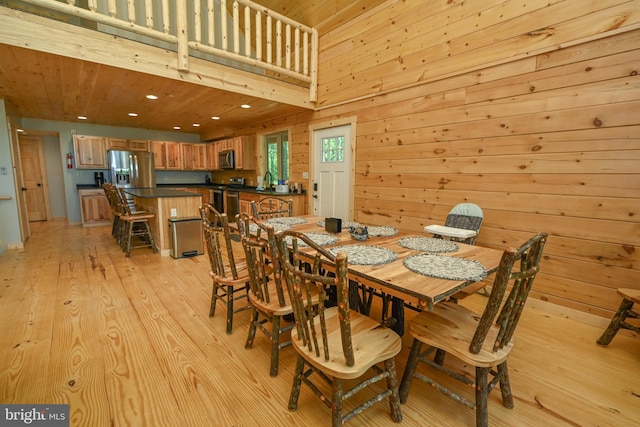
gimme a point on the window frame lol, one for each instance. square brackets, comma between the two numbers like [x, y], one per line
[266, 141]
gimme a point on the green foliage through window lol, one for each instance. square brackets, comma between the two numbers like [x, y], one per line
[277, 156]
[333, 149]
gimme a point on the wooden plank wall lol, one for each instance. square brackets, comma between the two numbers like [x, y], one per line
[529, 109]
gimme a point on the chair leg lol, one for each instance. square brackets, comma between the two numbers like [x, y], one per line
[129, 235]
[482, 391]
[616, 322]
[252, 328]
[505, 386]
[392, 384]
[230, 298]
[336, 404]
[275, 345]
[439, 357]
[410, 370]
[151, 242]
[214, 300]
[297, 383]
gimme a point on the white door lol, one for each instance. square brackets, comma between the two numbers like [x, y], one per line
[332, 188]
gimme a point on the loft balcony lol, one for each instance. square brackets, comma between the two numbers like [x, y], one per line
[234, 46]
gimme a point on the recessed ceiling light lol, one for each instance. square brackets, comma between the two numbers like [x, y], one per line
[246, 106]
[196, 124]
[215, 117]
[133, 114]
[152, 97]
[82, 118]
[176, 127]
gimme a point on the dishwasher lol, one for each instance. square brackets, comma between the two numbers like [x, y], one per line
[232, 198]
[217, 199]
[232, 205]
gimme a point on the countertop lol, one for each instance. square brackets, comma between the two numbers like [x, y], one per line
[209, 186]
[213, 186]
[158, 193]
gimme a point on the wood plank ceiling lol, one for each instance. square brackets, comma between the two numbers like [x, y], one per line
[51, 87]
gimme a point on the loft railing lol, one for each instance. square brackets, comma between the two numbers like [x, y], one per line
[236, 30]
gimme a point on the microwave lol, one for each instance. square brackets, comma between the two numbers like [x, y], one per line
[226, 159]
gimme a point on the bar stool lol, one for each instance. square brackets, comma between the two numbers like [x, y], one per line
[629, 297]
[134, 224]
[111, 192]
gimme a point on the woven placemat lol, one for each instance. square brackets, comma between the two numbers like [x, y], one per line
[320, 239]
[293, 220]
[427, 244]
[366, 254]
[381, 231]
[276, 227]
[445, 267]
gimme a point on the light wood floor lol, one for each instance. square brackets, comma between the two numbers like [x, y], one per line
[127, 342]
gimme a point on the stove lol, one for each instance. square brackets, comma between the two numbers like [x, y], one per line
[237, 182]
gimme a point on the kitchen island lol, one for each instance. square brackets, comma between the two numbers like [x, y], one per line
[165, 203]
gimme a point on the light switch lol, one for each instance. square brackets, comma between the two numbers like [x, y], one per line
[305, 175]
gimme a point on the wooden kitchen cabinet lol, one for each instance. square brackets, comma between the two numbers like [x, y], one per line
[94, 208]
[90, 152]
[194, 156]
[245, 152]
[213, 148]
[127, 144]
[138, 145]
[245, 202]
[117, 144]
[167, 155]
[159, 150]
[174, 155]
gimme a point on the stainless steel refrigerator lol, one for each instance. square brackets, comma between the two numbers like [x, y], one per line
[132, 169]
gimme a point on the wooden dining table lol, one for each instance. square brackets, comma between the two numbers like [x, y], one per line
[407, 287]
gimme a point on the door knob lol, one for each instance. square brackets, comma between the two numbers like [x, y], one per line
[315, 196]
[39, 185]
[24, 189]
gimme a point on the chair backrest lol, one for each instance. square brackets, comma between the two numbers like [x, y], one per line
[521, 280]
[467, 216]
[122, 203]
[260, 251]
[110, 192]
[272, 207]
[320, 271]
[217, 236]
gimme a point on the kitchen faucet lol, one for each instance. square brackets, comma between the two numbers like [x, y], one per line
[267, 182]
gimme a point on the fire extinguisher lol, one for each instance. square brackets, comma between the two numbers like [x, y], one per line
[69, 161]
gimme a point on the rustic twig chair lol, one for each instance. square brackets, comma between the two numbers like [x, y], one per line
[230, 274]
[629, 298]
[336, 343]
[483, 342]
[272, 207]
[133, 225]
[268, 293]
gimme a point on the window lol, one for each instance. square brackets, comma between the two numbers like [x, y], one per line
[277, 149]
[333, 149]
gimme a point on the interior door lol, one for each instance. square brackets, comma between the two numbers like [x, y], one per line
[25, 232]
[332, 188]
[32, 161]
